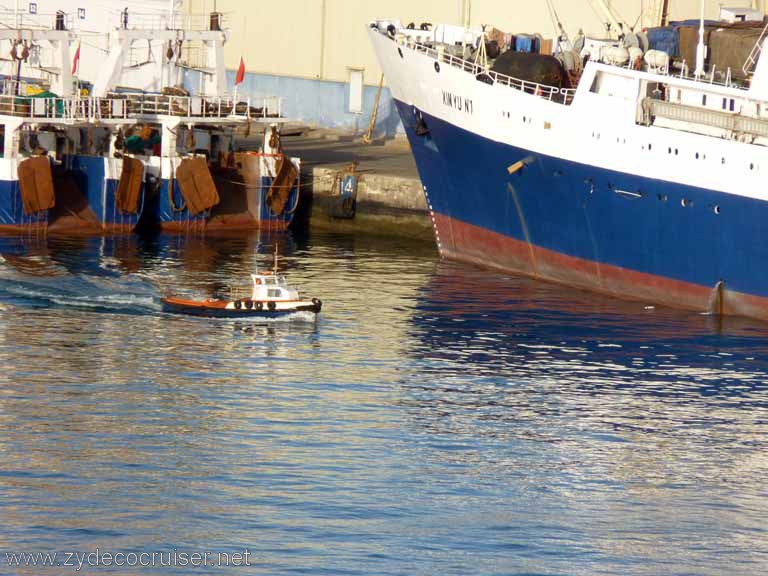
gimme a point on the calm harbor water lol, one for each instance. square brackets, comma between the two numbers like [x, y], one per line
[436, 419]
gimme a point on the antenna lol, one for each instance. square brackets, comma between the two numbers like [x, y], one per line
[275, 258]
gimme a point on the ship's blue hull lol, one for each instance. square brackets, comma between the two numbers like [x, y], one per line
[96, 192]
[90, 175]
[590, 227]
[12, 211]
[170, 212]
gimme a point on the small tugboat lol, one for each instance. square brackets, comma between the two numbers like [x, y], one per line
[268, 297]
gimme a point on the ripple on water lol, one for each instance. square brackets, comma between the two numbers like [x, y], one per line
[436, 418]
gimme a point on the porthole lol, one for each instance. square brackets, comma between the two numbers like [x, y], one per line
[751, 166]
[716, 209]
[669, 150]
[684, 203]
[697, 155]
[675, 151]
[722, 160]
[437, 67]
[650, 146]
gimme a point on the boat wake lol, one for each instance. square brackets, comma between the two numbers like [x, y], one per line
[128, 295]
[302, 316]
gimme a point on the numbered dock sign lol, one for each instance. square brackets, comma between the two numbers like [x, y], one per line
[348, 185]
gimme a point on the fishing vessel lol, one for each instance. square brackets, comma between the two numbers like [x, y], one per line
[55, 171]
[638, 175]
[124, 142]
[186, 137]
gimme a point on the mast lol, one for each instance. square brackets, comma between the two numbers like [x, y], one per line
[610, 17]
[701, 49]
[275, 265]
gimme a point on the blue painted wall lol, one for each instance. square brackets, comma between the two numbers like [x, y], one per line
[316, 102]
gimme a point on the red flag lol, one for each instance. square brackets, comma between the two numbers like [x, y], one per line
[76, 62]
[240, 72]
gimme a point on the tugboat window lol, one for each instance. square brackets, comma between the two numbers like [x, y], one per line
[274, 293]
[33, 7]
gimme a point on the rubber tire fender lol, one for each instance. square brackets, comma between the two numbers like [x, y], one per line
[271, 306]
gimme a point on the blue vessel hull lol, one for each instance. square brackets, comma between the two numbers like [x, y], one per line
[12, 214]
[171, 212]
[101, 193]
[92, 208]
[589, 227]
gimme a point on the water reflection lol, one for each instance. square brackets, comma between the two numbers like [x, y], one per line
[652, 421]
[436, 417]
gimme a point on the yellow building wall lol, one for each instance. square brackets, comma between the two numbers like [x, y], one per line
[322, 39]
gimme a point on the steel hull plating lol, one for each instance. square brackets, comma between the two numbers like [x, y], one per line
[589, 227]
[88, 206]
[172, 215]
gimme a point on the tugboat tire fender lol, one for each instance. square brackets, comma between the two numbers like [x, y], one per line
[249, 304]
[238, 304]
[258, 305]
[271, 306]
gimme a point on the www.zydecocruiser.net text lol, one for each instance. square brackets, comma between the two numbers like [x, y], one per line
[173, 558]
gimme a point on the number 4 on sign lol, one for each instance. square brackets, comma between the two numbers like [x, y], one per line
[348, 186]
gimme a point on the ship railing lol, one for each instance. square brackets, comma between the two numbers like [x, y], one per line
[754, 55]
[553, 93]
[165, 20]
[74, 109]
[34, 108]
[38, 20]
[136, 107]
[11, 86]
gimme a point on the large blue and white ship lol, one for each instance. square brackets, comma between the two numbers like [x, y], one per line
[639, 179]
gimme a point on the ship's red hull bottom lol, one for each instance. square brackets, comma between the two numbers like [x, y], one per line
[221, 224]
[461, 241]
[67, 229]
